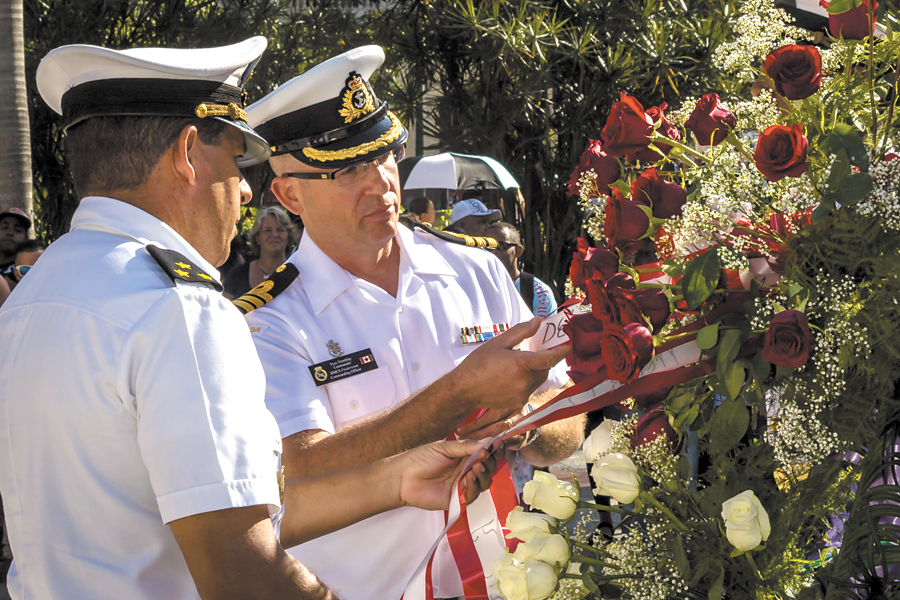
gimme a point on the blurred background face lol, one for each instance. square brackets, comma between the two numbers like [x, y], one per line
[272, 237]
[509, 250]
[12, 233]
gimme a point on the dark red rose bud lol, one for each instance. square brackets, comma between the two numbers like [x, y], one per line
[605, 166]
[654, 306]
[626, 129]
[796, 70]
[781, 152]
[652, 425]
[584, 333]
[788, 341]
[710, 121]
[626, 350]
[853, 24]
[666, 198]
[587, 261]
[665, 128]
[626, 221]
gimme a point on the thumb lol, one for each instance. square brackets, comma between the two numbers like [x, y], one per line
[543, 360]
[518, 333]
[459, 448]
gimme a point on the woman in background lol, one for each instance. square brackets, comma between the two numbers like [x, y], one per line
[271, 236]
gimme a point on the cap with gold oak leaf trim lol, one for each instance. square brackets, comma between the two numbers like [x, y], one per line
[268, 289]
[472, 241]
[179, 267]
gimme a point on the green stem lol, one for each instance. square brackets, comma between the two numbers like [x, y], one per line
[602, 507]
[685, 149]
[594, 561]
[645, 496]
[588, 547]
[753, 564]
[890, 117]
[874, 140]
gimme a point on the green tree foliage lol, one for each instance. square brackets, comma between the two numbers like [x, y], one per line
[300, 34]
[530, 82]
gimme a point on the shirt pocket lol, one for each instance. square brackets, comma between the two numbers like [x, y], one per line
[361, 396]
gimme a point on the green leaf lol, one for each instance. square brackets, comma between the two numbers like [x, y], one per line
[845, 137]
[708, 336]
[623, 187]
[681, 560]
[715, 592]
[837, 7]
[734, 378]
[728, 349]
[589, 583]
[824, 209]
[701, 276]
[840, 171]
[673, 268]
[729, 424]
[854, 188]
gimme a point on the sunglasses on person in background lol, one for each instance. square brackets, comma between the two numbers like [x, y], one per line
[21, 270]
[505, 245]
[356, 172]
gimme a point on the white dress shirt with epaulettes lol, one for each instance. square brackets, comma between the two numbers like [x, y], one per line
[415, 338]
[127, 400]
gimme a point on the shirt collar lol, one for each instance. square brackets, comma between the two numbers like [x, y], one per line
[120, 218]
[324, 280]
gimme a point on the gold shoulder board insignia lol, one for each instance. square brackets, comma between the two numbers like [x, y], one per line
[179, 267]
[268, 289]
[459, 238]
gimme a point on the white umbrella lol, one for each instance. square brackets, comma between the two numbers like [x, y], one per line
[452, 171]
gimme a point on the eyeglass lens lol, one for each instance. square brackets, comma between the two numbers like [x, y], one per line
[354, 173]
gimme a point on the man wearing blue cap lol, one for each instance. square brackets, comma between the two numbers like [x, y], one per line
[376, 338]
[137, 459]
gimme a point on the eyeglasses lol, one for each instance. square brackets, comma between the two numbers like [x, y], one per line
[506, 245]
[355, 172]
[21, 270]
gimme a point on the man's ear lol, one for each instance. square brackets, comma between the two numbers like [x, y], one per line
[183, 152]
[285, 189]
[519, 250]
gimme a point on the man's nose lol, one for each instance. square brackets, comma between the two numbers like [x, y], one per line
[246, 191]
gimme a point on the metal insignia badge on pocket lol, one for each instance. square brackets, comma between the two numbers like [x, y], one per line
[342, 367]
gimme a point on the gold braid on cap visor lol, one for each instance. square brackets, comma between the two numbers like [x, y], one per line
[386, 138]
[230, 110]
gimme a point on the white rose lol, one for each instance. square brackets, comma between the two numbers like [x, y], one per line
[523, 525]
[746, 521]
[527, 580]
[550, 548]
[616, 476]
[599, 442]
[550, 495]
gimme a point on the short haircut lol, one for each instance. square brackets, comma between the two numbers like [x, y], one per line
[419, 205]
[509, 231]
[115, 153]
[30, 246]
[280, 217]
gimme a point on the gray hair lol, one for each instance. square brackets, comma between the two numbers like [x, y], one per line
[281, 218]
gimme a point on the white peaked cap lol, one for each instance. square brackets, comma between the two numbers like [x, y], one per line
[329, 116]
[81, 81]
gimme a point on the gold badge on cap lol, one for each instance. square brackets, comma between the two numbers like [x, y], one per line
[356, 98]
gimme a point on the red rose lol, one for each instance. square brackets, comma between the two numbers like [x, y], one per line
[650, 304]
[627, 128]
[796, 70]
[852, 24]
[587, 261]
[666, 198]
[710, 122]
[652, 425]
[626, 350]
[605, 166]
[665, 128]
[626, 221]
[585, 359]
[788, 341]
[781, 152]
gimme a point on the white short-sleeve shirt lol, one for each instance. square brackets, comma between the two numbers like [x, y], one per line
[127, 400]
[414, 338]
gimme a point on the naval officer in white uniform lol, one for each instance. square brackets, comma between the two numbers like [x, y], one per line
[362, 334]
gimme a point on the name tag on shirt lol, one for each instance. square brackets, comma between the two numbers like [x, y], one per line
[343, 367]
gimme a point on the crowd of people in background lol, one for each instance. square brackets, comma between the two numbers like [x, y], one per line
[18, 253]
